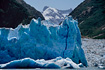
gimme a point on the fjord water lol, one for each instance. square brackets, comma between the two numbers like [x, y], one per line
[88, 68]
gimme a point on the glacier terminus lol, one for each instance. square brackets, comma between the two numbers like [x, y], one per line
[42, 40]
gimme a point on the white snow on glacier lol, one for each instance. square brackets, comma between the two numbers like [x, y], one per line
[41, 41]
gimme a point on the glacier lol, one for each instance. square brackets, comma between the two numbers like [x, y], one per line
[41, 40]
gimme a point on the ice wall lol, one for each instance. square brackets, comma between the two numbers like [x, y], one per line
[39, 41]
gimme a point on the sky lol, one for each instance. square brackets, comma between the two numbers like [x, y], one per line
[58, 4]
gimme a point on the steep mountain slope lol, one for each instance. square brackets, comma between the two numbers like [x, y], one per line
[32, 11]
[55, 15]
[91, 17]
[14, 12]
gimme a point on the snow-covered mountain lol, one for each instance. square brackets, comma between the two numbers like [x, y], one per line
[55, 15]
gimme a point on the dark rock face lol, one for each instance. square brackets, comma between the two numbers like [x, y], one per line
[32, 11]
[14, 12]
[91, 17]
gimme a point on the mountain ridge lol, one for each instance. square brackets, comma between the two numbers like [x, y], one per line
[55, 15]
[30, 9]
[14, 12]
[91, 18]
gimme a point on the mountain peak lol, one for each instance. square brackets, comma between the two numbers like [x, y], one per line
[45, 7]
[55, 15]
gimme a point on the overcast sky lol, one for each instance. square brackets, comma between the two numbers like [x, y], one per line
[59, 4]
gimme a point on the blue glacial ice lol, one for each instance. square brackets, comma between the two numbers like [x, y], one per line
[56, 63]
[38, 40]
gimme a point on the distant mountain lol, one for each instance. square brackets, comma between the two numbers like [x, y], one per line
[14, 12]
[55, 15]
[91, 17]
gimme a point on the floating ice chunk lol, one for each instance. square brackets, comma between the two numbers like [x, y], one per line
[101, 66]
[30, 63]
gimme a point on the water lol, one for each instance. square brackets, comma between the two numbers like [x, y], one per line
[89, 68]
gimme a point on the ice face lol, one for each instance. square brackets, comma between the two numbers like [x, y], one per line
[56, 63]
[38, 41]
